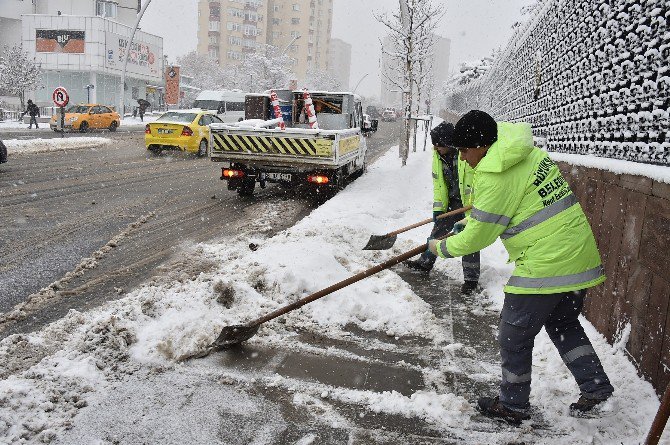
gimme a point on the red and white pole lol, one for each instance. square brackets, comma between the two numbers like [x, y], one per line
[309, 110]
[274, 99]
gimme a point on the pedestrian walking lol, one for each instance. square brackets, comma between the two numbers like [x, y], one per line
[34, 112]
[143, 105]
[521, 197]
[450, 178]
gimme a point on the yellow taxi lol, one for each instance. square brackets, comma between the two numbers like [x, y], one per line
[85, 117]
[186, 130]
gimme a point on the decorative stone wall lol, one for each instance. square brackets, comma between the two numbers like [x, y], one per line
[630, 217]
[591, 76]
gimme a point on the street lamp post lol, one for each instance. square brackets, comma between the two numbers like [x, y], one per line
[125, 61]
[359, 82]
[289, 45]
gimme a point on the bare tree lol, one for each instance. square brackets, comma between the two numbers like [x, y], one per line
[411, 29]
[18, 73]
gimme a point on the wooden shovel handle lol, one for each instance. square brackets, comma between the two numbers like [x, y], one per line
[429, 220]
[661, 418]
[344, 283]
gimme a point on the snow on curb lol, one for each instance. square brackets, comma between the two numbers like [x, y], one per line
[39, 145]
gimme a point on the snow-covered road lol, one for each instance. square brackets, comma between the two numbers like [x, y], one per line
[391, 359]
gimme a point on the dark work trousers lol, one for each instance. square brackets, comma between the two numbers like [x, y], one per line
[521, 319]
[33, 120]
[441, 228]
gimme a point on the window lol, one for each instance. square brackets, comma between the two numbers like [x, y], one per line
[276, 21]
[295, 7]
[275, 7]
[106, 8]
[234, 106]
[234, 26]
[213, 40]
[214, 26]
[205, 119]
[295, 20]
[295, 34]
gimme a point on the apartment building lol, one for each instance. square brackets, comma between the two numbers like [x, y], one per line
[339, 65]
[229, 30]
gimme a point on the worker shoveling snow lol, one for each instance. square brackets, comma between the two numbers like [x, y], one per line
[114, 374]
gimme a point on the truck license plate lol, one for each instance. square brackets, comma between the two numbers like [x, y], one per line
[164, 131]
[279, 176]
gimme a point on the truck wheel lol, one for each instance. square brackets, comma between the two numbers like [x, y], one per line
[247, 187]
[83, 128]
[113, 126]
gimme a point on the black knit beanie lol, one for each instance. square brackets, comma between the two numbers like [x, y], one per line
[442, 135]
[475, 129]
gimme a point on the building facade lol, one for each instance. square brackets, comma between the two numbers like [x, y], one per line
[339, 63]
[229, 30]
[81, 45]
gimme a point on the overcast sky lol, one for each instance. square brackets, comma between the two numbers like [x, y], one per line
[475, 27]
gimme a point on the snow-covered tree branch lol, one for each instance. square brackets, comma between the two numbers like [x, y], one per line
[18, 73]
[411, 31]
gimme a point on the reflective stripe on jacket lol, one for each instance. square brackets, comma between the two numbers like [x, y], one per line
[466, 176]
[522, 198]
[440, 189]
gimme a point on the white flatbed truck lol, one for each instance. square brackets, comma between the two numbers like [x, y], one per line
[321, 158]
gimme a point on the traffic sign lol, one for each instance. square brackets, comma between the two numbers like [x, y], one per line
[60, 97]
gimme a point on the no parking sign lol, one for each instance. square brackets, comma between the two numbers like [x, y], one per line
[60, 97]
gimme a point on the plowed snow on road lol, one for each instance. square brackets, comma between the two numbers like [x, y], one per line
[113, 375]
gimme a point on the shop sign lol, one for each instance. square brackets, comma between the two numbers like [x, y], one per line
[144, 58]
[59, 41]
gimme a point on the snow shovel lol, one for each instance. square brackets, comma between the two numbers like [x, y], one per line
[236, 334]
[385, 242]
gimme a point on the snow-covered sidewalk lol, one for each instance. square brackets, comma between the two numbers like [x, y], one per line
[39, 145]
[113, 374]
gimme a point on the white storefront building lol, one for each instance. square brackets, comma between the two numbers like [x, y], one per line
[82, 43]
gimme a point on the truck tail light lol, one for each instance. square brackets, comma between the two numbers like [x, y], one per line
[318, 179]
[228, 173]
[147, 129]
[187, 131]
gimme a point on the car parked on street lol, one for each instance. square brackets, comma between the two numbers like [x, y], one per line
[86, 117]
[389, 115]
[185, 130]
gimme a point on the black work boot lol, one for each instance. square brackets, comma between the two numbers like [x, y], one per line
[417, 265]
[469, 287]
[584, 405]
[491, 407]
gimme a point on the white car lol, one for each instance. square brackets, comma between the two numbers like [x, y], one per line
[389, 115]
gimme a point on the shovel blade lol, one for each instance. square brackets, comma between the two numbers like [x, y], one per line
[380, 242]
[234, 335]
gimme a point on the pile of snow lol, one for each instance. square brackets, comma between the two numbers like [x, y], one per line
[22, 146]
[70, 373]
